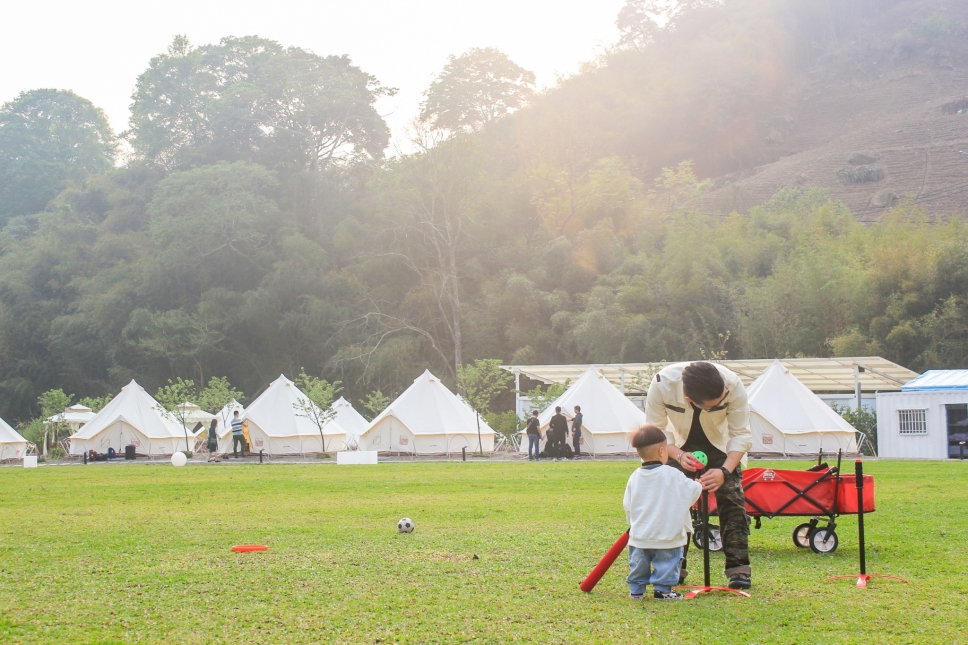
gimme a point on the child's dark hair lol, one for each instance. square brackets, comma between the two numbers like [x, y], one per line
[702, 382]
[648, 436]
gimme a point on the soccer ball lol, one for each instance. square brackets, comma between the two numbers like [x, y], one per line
[405, 525]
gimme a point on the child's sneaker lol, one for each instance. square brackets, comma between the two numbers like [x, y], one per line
[667, 595]
[636, 596]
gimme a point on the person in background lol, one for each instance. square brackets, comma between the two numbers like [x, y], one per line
[557, 431]
[245, 435]
[238, 439]
[213, 441]
[576, 431]
[534, 437]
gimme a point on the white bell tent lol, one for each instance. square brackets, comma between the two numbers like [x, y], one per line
[607, 415]
[194, 415]
[12, 444]
[225, 416]
[427, 419]
[351, 421]
[787, 418]
[280, 423]
[134, 418]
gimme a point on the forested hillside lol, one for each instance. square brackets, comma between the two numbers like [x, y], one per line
[254, 221]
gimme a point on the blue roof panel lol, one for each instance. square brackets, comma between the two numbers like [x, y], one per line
[938, 380]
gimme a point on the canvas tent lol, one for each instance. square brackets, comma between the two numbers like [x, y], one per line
[194, 416]
[351, 421]
[134, 418]
[787, 418]
[74, 416]
[607, 415]
[225, 416]
[427, 419]
[12, 444]
[280, 425]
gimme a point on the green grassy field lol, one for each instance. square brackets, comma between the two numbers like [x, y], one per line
[140, 554]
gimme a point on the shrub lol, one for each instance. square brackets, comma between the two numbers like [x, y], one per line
[936, 27]
[864, 421]
[860, 174]
[57, 453]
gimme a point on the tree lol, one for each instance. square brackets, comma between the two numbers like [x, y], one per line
[171, 397]
[250, 99]
[475, 89]
[480, 382]
[96, 403]
[318, 405]
[217, 395]
[429, 200]
[47, 138]
[375, 403]
[53, 403]
[540, 398]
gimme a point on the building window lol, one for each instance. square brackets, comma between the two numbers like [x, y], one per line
[911, 422]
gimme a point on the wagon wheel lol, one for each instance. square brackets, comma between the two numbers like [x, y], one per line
[801, 535]
[715, 542]
[823, 541]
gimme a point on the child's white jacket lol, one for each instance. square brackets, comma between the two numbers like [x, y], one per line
[657, 502]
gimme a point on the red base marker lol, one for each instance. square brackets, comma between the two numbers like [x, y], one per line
[246, 548]
[604, 564]
[864, 578]
[699, 590]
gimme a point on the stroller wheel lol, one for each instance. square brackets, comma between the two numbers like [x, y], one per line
[801, 535]
[823, 541]
[715, 542]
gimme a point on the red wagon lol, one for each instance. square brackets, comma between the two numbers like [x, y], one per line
[821, 493]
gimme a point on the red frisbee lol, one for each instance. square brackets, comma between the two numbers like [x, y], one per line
[246, 548]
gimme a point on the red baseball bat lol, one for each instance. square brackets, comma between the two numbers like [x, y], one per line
[604, 564]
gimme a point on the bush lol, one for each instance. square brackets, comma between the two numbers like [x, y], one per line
[864, 421]
[323, 455]
[505, 423]
[57, 453]
[936, 27]
[860, 174]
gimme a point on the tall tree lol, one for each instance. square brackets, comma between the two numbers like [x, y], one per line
[47, 138]
[474, 89]
[251, 99]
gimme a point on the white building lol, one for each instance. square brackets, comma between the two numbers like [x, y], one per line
[926, 419]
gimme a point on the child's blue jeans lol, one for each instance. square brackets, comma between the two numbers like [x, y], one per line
[656, 567]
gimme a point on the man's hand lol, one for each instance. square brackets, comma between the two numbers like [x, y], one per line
[712, 479]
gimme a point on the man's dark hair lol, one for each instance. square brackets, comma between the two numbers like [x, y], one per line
[578, 408]
[702, 382]
[557, 408]
[648, 436]
[534, 413]
[236, 413]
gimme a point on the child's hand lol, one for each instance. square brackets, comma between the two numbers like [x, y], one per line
[688, 462]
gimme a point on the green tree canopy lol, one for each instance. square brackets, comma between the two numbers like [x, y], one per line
[47, 138]
[474, 89]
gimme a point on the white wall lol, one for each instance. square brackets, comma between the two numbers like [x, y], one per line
[934, 444]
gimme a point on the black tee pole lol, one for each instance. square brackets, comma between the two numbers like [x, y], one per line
[859, 472]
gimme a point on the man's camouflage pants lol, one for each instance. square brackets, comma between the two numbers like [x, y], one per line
[734, 526]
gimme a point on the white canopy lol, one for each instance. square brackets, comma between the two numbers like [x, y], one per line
[280, 423]
[134, 418]
[607, 415]
[349, 420]
[427, 419]
[787, 418]
[12, 443]
[74, 416]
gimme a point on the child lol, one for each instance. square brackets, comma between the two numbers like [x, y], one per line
[657, 501]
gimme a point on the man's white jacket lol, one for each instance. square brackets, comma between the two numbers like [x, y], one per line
[727, 425]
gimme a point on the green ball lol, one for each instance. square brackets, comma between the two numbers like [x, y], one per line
[701, 457]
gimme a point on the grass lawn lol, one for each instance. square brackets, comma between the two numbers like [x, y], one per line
[140, 554]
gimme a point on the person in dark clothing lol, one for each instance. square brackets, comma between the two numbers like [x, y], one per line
[213, 441]
[557, 432]
[534, 436]
[576, 431]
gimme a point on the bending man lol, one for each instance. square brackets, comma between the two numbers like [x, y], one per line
[703, 406]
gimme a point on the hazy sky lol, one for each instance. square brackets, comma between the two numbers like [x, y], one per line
[97, 48]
